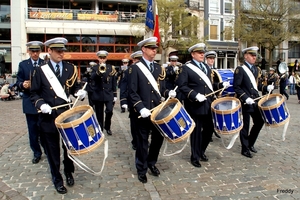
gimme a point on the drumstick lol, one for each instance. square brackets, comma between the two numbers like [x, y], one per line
[78, 96]
[214, 92]
[55, 107]
[257, 98]
[162, 105]
[270, 92]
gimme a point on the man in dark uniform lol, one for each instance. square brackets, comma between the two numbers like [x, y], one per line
[104, 86]
[89, 89]
[171, 73]
[246, 87]
[146, 86]
[51, 86]
[194, 82]
[123, 85]
[270, 79]
[26, 68]
[136, 56]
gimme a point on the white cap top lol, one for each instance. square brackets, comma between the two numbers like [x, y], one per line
[58, 43]
[102, 53]
[148, 42]
[252, 50]
[137, 54]
[34, 45]
[197, 47]
[173, 57]
[210, 54]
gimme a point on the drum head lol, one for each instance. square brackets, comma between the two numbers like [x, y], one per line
[226, 105]
[165, 111]
[271, 101]
[73, 117]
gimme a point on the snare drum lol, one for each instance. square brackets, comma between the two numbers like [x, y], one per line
[172, 120]
[79, 129]
[221, 75]
[274, 110]
[226, 114]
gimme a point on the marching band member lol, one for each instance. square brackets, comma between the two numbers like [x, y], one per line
[171, 73]
[123, 84]
[194, 82]
[210, 61]
[26, 68]
[270, 79]
[52, 84]
[89, 89]
[104, 85]
[146, 86]
[246, 87]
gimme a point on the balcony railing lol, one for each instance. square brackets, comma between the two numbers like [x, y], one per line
[84, 15]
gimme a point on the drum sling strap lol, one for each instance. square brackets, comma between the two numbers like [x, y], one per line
[251, 77]
[54, 82]
[201, 74]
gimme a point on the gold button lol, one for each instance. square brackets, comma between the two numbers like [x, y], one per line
[152, 101]
[152, 91]
[55, 97]
[51, 88]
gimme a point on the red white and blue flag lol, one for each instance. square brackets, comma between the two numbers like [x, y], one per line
[152, 19]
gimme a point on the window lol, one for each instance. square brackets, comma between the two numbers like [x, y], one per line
[214, 6]
[294, 50]
[228, 30]
[214, 29]
[228, 7]
[246, 4]
[106, 40]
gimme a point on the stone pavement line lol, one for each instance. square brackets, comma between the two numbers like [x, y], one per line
[149, 185]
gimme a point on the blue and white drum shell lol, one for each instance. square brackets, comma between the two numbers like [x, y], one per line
[79, 129]
[172, 120]
[226, 115]
[221, 75]
[273, 110]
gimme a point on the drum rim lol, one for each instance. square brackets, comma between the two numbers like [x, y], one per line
[170, 116]
[225, 111]
[230, 132]
[183, 137]
[280, 123]
[264, 99]
[88, 149]
[59, 120]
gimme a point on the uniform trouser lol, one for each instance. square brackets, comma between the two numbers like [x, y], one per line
[298, 93]
[201, 135]
[249, 139]
[34, 134]
[99, 108]
[90, 99]
[51, 143]
[133, 126]
[145, 154]
[283, 92]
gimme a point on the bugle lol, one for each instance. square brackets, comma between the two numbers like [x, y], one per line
[102, 68]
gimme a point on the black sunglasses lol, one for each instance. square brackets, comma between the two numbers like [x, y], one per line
[102, 57]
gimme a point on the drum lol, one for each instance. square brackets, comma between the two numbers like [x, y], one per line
[221, 75]
[172, 120]
[79, 129]
[274, 110]
[226, 114]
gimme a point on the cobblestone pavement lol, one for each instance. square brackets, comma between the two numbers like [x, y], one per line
[273, 173]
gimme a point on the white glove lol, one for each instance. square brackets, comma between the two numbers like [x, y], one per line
[172, 93]
[270, 88]
[250, 101]
[226, 84]
[88, 69]
[115, 99]
[145, 113]
[45, 108]
[125, 106]
[81, 94]
[175, 68]
[200, 97]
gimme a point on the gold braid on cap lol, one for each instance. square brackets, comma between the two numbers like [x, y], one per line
[70, 82]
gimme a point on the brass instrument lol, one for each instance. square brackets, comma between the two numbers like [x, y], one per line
[102, 68]
[178, 64]
[297, 79]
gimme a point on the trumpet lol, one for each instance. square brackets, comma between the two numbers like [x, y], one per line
[297, 79]
[102, 68]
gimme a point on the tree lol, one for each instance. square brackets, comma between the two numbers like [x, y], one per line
[267, 23]
[179, 28]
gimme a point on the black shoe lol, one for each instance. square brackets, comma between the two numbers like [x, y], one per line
[196, 163]
[217, 135]
[154, 170]
[203, 158]
[253, 149]
[36, 160]
[142, 178]
[247, 154]
[108, 132]
[61, 189]
[70, 179]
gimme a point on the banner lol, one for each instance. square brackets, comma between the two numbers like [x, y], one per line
[150, 15]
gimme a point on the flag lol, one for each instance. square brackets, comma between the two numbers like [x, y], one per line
[150, 15]
[156, 25]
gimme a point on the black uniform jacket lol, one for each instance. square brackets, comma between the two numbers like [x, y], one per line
[103, 85]
[123, 85]
[170, 77]
[244, 88]
[42, 92]
[190, 84]
[25, 73]
[141, 92]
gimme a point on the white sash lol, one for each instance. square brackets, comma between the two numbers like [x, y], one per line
[201, 74]
[251, 76]
[149, 76]
[57, 87]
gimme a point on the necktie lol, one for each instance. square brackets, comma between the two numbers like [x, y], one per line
[57, 71]
[202, 68]
[151, 67]
[252, 70]
[35, 64]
